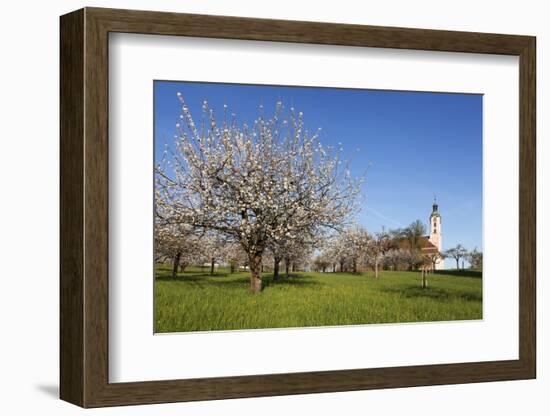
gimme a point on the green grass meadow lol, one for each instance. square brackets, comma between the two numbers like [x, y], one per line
[196, 301]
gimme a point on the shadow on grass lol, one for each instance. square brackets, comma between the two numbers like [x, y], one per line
[291, 280]
[434, 293]
[189, 277]
[461, 273]
[206, 280]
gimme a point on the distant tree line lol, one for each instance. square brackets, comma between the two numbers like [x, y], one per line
[401, 249]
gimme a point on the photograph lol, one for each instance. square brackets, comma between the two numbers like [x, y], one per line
[295, 207]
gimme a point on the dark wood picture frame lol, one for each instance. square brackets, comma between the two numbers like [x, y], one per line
[84, 207]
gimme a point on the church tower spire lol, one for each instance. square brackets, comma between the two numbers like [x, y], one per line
[435, 225]
[435, 207]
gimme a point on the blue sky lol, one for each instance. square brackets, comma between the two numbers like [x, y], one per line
[414, 144]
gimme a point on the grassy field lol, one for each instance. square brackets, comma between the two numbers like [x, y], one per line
[196, 301]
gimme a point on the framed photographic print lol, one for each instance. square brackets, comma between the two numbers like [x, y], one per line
[255, 207]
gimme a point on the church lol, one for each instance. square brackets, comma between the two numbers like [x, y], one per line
[430, 245]
[434, 239]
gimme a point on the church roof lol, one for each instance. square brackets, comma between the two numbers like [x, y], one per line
[424, 244]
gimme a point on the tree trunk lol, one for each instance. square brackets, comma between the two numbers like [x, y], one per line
[354, 266]
[376, 268]
[276, 264]
[255, 273]
[212, 262]
[176, 264]
[424, 279]
[457, 263]
[334, 268]
[232, 267]
[287, 267]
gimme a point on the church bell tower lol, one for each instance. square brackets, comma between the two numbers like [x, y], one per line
[435, 226]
